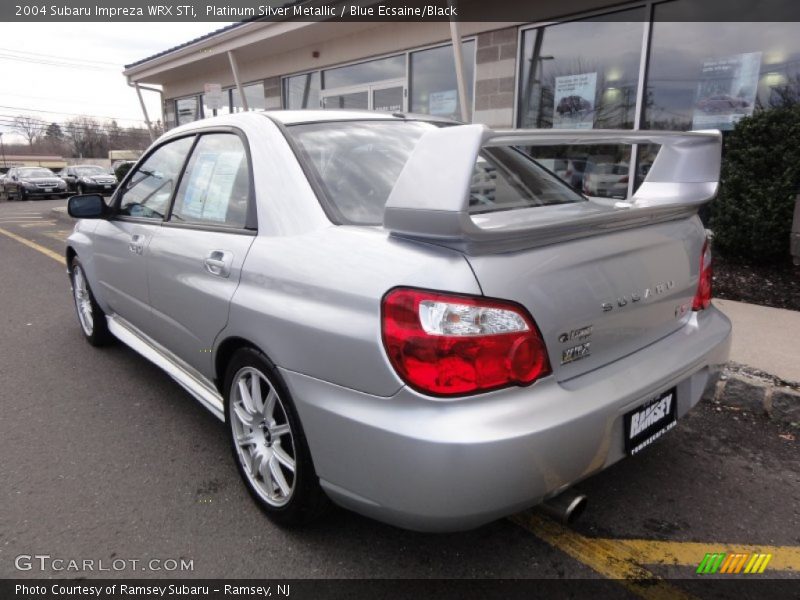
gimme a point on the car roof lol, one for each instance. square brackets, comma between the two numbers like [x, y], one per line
[293, 117]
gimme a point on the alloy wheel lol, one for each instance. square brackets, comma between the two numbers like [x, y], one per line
[83, 301]
[262, 436]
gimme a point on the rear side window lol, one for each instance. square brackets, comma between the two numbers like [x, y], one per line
[216, 186]
[149, 189]
[357, 163]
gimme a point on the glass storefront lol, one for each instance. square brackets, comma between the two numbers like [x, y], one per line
[187, 110]
[694, 83]
[434, 88]
[393, 67]
[383, 84]
[254, 94]
[583, 75]
[301, 91]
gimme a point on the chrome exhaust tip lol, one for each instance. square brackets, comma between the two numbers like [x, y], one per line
[567, 507]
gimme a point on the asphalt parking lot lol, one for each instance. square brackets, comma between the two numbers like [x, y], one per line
[105, 457]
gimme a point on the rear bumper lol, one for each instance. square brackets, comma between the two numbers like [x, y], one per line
[439, 465]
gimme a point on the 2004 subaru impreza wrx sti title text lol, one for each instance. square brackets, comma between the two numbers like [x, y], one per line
[407, 316]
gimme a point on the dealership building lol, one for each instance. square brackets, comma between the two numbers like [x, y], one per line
[638, 65]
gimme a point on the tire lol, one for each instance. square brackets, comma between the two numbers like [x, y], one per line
[22, 194]
[271, 453]
[91, 317]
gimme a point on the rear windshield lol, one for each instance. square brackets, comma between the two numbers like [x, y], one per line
[356, 164]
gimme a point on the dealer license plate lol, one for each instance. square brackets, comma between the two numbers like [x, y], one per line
[648, 422]
[48, 189]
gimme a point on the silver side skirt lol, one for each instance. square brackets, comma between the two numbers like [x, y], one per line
[197, 385]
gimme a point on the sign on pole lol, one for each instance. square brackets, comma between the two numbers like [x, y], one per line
[212, 95]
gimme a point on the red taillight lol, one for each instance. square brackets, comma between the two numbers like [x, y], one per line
[702, 299]
[446, 344]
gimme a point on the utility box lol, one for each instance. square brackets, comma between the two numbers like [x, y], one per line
[794, 244]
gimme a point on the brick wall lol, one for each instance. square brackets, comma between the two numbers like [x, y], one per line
[495, 67]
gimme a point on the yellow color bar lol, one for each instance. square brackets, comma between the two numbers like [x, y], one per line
[764, 564]
[752, 562]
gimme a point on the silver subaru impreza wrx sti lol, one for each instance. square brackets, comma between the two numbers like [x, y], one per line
[407, 316]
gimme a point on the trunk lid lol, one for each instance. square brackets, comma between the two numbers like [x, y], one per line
[600, 298]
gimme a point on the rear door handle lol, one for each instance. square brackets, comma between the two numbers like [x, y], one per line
[136, 245]
[218, 262]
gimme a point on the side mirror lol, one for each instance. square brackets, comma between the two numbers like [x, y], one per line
[87, 206]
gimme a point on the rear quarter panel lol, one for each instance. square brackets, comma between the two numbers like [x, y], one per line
[312, 302]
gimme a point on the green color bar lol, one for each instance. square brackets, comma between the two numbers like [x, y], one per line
[703, 563]
[710, 563]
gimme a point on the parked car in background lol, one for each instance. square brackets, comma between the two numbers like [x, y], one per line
[403, 314]
[606, 179]
[23, 183]
[569, 170]
[83, 179]
[570, 105]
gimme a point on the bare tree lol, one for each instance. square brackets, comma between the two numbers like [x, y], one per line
[87, 137]
[30, 127]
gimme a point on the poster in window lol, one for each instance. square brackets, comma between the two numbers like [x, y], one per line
[726, 91]
[573, 101]
[443, 103]
[210, 185]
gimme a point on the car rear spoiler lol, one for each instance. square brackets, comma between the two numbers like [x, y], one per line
[430, 199]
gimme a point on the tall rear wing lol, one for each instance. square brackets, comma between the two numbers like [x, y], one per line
[431, 196]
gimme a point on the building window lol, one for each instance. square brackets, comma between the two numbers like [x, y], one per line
[434, 89]
[254, 94]
[393, 67]
[187, 110]
[583, 75]
[709, 75]
[301, 91]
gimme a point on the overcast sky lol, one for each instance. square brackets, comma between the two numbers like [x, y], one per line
[54, 71]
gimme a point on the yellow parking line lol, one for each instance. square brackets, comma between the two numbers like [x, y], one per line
[622, 559]
[784, 558]
[608, 557]
[34, 245]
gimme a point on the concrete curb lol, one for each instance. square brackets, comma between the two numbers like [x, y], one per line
[743, 388]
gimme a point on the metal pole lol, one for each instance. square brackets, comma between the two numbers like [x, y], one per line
[641, 100]
[235, 71]
[144, 111]
[459, 59]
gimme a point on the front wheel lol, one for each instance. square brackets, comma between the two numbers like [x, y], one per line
[268, 442]
[90, 315]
